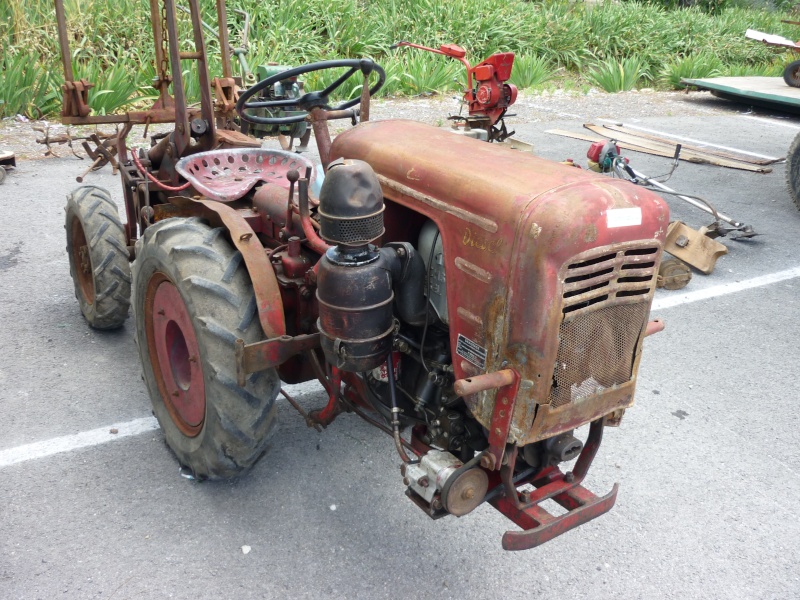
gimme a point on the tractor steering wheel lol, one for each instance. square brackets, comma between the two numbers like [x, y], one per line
[311, 99]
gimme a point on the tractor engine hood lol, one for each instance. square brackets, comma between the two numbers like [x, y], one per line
[550, 269]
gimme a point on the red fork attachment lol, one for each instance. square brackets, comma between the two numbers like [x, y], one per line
[523, 508]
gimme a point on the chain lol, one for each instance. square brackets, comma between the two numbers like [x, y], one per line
[164, 44]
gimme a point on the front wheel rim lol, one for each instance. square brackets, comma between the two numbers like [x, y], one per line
[81, 260]
[175, 355]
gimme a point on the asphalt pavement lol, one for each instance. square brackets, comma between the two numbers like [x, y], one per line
[708, 460]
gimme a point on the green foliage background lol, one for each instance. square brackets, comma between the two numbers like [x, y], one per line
[557, 43]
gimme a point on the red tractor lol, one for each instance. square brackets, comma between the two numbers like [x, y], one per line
[476, 303]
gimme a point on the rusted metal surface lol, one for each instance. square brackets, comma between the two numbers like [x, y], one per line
[227, 175]
[82, 260]
[693, 247]
[319, 123]
[306, 417]
[316, 243]
[538, 525]
[505, 401]
[75, 101]
[225, 95]
[67, 138]
[482, 383]
[268, 354]
[330, 411]
[63, 41]
[265, 285]
[181, 133]
[543, 527]
[76, 98]
[654, 326]
[103, 153]
[550, 276]
[542, 215]
[673, 274]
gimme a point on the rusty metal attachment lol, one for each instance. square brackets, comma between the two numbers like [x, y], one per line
[693, 247]
[673, 274]
[565, 489]
[268, 354]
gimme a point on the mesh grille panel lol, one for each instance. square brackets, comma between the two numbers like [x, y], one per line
[596, 351]
[352, 231]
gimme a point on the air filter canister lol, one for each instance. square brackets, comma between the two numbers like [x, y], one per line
[354, 292]
[351, 204]
[354, 281]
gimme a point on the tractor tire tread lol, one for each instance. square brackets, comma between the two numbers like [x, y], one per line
[108, 253]
[238, 420]
[793, 170]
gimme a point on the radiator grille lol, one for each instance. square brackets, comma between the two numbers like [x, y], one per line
[606, 300]
[596, 351]
[607, 276]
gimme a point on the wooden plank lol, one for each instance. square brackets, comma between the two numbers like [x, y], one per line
[687, 155]
[656, 151]
[732, 155]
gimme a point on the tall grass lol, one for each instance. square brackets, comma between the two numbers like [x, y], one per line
[110, 38]
[693, 66]
[27, 88]
[532, 71]
[614, 76]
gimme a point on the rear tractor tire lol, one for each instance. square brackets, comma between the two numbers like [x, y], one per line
[98, 257]
[192, 299]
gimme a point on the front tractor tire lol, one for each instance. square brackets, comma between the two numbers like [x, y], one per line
[98, 257]
[192, 299]
[793, 170]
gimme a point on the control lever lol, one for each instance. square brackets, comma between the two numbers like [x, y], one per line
[293, 175]
[366, 68]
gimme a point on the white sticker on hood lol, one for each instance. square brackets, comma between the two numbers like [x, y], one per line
[623, 217]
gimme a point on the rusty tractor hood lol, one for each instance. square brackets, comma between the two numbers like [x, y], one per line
[515, 229]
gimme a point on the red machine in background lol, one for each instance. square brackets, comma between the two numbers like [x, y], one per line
[488, 95]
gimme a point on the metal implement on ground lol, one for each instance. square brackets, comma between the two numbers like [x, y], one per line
[485, 308]
[697, 248]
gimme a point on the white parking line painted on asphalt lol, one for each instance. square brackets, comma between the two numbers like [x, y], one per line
[725, 288]
[687, 139]
[102, 435]
[68, 443]
[777, 122]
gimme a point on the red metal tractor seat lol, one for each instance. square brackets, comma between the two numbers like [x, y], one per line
[228, 174]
